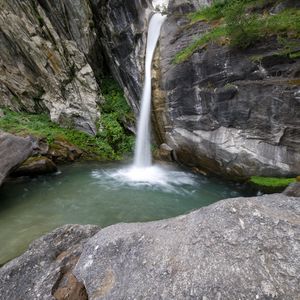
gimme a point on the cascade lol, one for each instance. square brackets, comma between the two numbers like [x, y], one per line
[142, 156]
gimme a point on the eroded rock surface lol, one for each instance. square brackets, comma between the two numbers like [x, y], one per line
[13, 151]
[243, 248]
[45, 52]
[235, 113]
[45, 270]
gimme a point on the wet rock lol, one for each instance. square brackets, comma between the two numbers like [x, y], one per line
[243, 248]
[35, 166]
[164, 152]
[13, 151]
[45, 270]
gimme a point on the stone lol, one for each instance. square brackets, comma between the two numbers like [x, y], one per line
[62, 151]
[13, 151]
[242, 248]
[34, 166]
[44, 271]
[1, 113]
[293, 190]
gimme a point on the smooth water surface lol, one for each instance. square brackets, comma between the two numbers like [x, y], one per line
[98, 193]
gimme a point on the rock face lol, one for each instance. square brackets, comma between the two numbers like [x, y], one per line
[45, 270]
[185, 6]
[243, 248]
[13, 151]
[122, 29]
[45, 52]
[235, 113]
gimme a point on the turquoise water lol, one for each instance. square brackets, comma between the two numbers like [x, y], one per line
[97, 193]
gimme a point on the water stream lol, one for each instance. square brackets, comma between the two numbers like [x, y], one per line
[142, 156]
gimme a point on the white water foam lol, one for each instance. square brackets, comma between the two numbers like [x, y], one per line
[164, 178]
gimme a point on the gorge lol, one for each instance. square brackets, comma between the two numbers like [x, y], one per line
[225, 110]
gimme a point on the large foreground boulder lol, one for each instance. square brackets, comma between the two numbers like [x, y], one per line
[44, 271]
[243, 248]
[13, 151]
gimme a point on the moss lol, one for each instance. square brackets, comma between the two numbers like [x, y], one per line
[270, 185]
[271, 181]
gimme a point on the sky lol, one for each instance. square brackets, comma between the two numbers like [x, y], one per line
[160, 2]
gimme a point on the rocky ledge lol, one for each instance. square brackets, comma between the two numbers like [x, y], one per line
[243, 248]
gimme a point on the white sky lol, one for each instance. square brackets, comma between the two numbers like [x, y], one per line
[160, 2]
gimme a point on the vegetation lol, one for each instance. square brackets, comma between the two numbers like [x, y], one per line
[271, 182]
[242, 23]
[112, 141]
[114, 113]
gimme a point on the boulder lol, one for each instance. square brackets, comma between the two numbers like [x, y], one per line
[13, 151]
[45, 270]
[293, 190]
[36, 166]
[243, 248]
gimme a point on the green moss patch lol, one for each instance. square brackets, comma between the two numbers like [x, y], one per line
[270, 184]
[272, 181]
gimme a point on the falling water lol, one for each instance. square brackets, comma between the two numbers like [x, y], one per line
[142, 171]
[142, 156]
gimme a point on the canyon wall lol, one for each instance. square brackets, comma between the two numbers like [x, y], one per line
[224, 111]
[45, 55]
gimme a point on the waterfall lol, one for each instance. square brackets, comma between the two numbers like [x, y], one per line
[142, 155]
